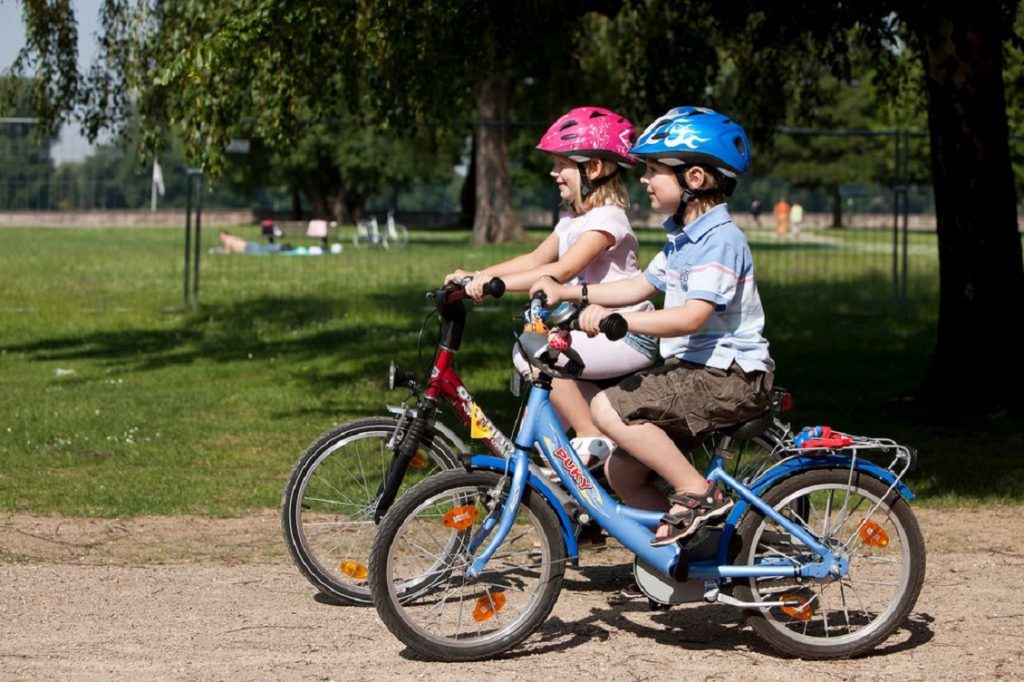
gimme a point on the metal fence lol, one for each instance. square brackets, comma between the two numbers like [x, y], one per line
[878, 226]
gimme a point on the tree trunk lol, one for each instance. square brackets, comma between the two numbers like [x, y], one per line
[494, 221]
[980, 262]
[467, 197]
[296, 202]
[837, 206]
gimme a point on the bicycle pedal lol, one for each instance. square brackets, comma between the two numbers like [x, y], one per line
[691, 541]
[657, 605]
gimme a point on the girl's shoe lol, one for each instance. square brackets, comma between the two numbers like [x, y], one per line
[592, 450]
[699, 509]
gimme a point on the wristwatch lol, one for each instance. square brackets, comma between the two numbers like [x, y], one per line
[584, 301]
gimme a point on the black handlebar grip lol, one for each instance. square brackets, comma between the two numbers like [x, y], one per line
[495, 287]
[614, 326]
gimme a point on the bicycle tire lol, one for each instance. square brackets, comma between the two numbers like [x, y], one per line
[818, 631]
[417, 570]
[401, 237]
[320, 537]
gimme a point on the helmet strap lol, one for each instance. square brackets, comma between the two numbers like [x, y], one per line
[725, 187]
[587, 186]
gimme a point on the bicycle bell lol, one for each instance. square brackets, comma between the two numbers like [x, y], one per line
[561, 315]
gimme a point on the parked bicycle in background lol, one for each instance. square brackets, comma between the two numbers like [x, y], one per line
[393, 235]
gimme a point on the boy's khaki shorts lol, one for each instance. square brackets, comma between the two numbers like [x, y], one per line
[689, 401]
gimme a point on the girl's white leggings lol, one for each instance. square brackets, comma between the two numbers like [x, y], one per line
[603, 358]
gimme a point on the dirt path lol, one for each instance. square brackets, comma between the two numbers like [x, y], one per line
[204, 599]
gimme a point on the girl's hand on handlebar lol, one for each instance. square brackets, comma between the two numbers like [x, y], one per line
[591, 317]
[475, 288]
[457, 276]
[552, 289]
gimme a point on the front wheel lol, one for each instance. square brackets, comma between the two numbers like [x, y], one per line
[361, 236]
[854, 515]
[421, 553]
[328, 504]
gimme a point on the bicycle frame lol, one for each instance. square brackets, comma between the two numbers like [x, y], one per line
[444, 384]
[633, 527]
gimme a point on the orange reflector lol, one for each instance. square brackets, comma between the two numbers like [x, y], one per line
[488, 605]
[872, 534]
[355, 570]
[461, 518]
[418, 461]
[802, 612]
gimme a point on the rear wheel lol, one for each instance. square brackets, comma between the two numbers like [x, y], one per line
[328, 503]
[419, 561]
[856, 516]
[398, 237]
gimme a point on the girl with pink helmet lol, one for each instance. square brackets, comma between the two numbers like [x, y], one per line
[592, 243]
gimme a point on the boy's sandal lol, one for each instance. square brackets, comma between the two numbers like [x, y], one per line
[699, 508]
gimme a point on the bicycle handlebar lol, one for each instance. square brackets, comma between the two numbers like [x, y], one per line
[614, 326]
[455, 290]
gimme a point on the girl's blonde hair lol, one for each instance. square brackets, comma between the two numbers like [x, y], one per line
[612, 193]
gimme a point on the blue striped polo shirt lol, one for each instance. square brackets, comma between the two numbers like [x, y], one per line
[710, 260]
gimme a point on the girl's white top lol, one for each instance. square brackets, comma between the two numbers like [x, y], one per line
[617, 262]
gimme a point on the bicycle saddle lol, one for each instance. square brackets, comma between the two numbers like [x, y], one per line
[751, 428]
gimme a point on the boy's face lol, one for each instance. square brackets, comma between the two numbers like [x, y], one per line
[662, 187]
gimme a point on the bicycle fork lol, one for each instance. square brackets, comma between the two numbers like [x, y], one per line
[509, 511]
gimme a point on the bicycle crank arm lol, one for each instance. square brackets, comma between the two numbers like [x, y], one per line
[714, 595]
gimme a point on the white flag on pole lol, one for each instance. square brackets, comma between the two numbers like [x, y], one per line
[157, 186]
[158, 177]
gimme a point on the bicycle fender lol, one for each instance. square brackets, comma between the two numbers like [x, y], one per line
[501, 466]
[792, 467]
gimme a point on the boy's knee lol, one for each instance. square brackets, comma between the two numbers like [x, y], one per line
[604, 415]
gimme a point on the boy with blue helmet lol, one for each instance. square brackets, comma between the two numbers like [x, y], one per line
[717, 369]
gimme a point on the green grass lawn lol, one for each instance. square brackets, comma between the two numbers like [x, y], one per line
[116, 401]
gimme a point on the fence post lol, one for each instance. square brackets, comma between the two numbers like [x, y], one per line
[194, 176]
[188, 234]
[198, 243]
[906, 212]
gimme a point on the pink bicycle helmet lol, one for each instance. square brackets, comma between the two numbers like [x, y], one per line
[586, 133]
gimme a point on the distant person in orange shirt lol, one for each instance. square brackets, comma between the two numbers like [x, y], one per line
[781, 218]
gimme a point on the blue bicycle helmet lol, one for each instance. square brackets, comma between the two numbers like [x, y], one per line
[696, 136]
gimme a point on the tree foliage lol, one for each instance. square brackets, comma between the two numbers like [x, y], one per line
[267, 67]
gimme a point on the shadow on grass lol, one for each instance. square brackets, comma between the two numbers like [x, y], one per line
[851, 359]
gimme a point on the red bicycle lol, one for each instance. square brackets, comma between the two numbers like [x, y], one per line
[347, 479]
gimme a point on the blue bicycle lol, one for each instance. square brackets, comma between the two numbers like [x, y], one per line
[821, 549]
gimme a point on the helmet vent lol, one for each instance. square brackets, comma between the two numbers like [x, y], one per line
[659, 136]
[741, 148]
[570, 136]
[567, 124]
[596, 114]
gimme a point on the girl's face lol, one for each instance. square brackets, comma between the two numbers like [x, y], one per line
[567, 178]
[662, 187]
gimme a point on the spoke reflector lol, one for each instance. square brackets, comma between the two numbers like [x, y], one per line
[802, 612]
[418, 461]
[354, 570]
[872, 534]
[461, 518]
[488, 605]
